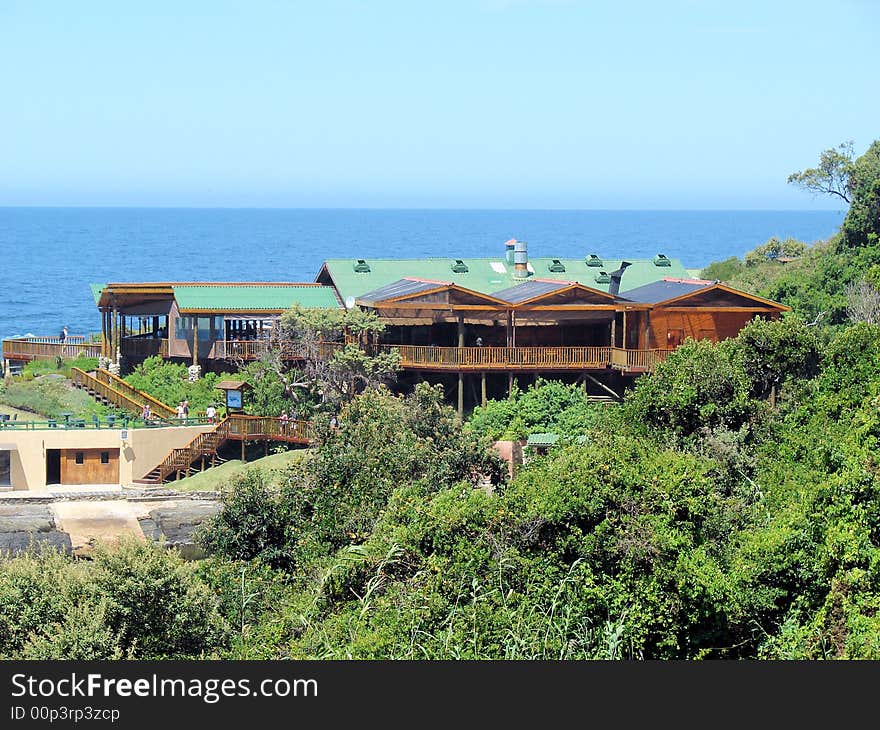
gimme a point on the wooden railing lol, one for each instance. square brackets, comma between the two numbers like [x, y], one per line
[111, 394]
[431, 357]
[254, 349]
[235, 427]
[140, 348]
[636, 360]
[502, 358]
[49, 348]
[157, 407]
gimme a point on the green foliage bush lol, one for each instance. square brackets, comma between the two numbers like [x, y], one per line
[700, 385]
[169, 383]
[546, 406]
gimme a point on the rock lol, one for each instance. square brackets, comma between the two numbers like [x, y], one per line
[177, 522]
[23, 525]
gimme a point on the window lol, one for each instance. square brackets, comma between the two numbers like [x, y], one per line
[105, 457]
[79, 457]
[5, 469]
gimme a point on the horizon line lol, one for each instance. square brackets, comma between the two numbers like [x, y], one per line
[415, 208]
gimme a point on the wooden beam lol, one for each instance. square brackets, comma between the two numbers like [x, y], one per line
[483, 389]
[460, 394]
[601, 385]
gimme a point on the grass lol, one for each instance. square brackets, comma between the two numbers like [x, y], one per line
[211, 479]
[48, 397]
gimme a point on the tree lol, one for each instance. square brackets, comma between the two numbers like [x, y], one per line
[773, 249]
[864, 302]
[832, 176]
[774, 352]
[861, 227]
[336, 347]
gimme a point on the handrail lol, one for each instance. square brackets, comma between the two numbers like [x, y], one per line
[489, 358]
[156, 406]
[48, 348]
[116, 397]
[235, 426]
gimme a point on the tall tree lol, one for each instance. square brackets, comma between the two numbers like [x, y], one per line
[832, 176]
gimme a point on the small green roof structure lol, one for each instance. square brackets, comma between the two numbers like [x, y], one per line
[542, 440]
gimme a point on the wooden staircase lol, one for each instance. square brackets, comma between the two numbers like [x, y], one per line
[109, 389]
[181, 462]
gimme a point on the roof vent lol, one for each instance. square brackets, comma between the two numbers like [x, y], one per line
[459, 267]
[557, 266]
[362, 267]
[661, 260]
[603, 278]
[593, 260]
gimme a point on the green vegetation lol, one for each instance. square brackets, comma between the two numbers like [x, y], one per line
[49, 396]
[729, 508]
[823, 282]
[169, 383]
[36, 368]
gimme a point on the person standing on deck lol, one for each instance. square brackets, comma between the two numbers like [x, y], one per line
[284, 419]
[181, 414]
[186, 408]
[146, 414]
[63, 336]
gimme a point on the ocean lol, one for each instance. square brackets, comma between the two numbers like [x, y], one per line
[51, 255]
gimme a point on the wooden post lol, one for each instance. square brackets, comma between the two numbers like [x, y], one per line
[483, 389]
[460, 394]
[513, 330]
[509, 328]
[461, 330]
[647, 330]
[509, 384]
[623, 341]
[195, 321]
[614, 330]
[242, 451]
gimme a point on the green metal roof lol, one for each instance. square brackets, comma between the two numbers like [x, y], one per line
[542, 439]
[254, 298]
[96, 291]
[489, 275]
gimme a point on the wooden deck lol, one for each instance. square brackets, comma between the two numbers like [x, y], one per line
[25, 349]
[412, 357]
[520, 359]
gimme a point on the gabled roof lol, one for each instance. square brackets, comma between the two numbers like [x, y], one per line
[536, 290]
[486, 275]
[698, 292]
[426, 293]
[666, 288]
[401, 288]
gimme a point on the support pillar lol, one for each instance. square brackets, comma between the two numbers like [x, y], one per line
[623, 341]
[242, 451]
[614, 330]
[483, 389]
[461, 394]
[509, 384]
[196, 341]
[461, 330]
[647, 330]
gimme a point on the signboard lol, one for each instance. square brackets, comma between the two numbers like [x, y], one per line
[233, 399]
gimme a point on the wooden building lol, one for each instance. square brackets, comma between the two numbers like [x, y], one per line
[592, 319]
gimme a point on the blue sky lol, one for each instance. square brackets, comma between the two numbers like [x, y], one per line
[461, 103]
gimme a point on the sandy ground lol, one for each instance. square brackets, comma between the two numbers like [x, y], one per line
[106, 520]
